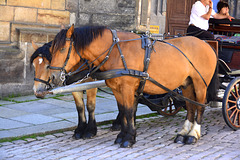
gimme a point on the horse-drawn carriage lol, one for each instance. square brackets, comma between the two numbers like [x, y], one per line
[172, 60]
[227, 45]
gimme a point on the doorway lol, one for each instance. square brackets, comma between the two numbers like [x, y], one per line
[178, 14]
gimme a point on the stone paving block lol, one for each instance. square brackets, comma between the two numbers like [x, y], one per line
[144, 109]
[5, 102]
[106, 117]
[104, 105]
[74, 120]
[7, 134]
[42, 128]
[9, 113]
[9, 124]
[59, 103]
[32, 107]
[36, 119]
[58, 110]
[25, 98]
[66, 115]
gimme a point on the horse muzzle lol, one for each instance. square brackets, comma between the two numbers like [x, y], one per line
[58, 78]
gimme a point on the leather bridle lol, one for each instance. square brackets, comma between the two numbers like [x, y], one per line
[63, 72]
[49, 86]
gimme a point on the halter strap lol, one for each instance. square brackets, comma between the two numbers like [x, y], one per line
[62, 69]
[43, 81]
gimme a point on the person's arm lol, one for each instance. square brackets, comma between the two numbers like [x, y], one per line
[220, 16]
[208, 14]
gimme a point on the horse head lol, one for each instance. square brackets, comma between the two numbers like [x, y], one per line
[64, 57]
[40, 59]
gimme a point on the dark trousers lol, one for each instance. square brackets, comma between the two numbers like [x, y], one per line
[200, 33]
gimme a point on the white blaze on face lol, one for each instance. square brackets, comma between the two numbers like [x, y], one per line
[40, 60]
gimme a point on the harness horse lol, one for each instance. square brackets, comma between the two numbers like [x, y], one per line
[129, 71]
[41, 59]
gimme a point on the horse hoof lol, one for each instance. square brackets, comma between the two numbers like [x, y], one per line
[77, 136]
[118, 141]
[190, 140]
[180, 139]
[88, 135]
[126, 144]
[115, 127]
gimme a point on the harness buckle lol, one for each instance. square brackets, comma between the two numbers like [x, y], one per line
[147, 75]
[116, 39]
[62, 76]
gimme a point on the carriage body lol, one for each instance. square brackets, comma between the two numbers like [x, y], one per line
[228, 35]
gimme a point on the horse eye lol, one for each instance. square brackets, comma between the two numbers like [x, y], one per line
[62, 49]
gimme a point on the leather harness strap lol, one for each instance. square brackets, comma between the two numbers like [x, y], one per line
[143, 75]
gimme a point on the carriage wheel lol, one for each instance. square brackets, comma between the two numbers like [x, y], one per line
[231, 104]
[170, 110]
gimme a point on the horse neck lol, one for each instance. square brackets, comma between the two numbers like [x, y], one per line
[98, 47]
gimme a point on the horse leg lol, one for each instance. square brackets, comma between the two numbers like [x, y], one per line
[91, 129]
[195, 133]
[116, 125]
[127, 105]
[188, 124]
[79, 131]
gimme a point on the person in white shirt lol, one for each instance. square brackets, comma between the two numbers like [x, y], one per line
[200, 14]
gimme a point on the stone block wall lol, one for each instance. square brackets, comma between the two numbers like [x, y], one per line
[117, 14]
[23, 21]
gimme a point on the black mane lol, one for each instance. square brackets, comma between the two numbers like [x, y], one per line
[81, 37]
[42, 51]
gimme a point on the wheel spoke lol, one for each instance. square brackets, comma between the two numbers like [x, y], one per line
[235, 106]
[232, 93]
[235, 119]
[232, 114]
[230, 101]
[170, 109]
[236, 90]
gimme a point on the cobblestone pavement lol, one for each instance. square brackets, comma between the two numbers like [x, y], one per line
[154, 141]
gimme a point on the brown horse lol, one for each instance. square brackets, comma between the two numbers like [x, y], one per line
[41, 59]
[185, 62]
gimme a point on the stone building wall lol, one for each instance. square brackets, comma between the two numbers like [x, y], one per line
[23, 21]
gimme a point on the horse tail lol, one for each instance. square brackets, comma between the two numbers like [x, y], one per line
[213, 86]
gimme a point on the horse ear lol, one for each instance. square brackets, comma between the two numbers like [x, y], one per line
[62, 27]
[34, 45]
[70, 31]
